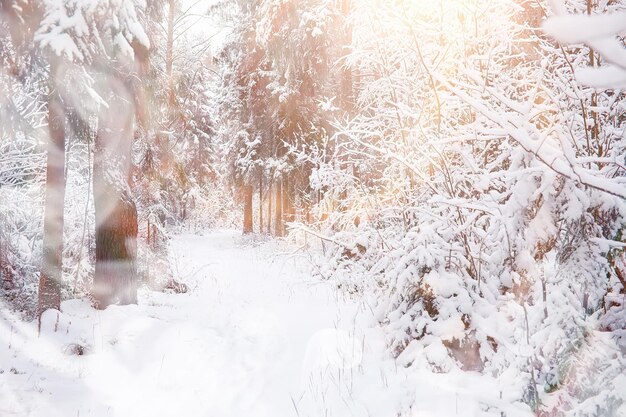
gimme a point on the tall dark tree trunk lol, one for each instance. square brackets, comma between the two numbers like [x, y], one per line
[278, 212]
[51, 271]
[247, 209]
[115, 278]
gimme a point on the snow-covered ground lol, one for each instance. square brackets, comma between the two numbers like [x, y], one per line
[255, 336]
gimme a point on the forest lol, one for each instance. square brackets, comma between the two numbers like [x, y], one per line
[333, 208]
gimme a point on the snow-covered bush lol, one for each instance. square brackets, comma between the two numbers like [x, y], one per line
[489, 230]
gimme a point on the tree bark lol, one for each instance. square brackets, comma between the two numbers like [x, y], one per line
[261, 203]
[51, 271]
[278, 213]
[247, 209]
[287, 209]
[115, 277]
[269, 207]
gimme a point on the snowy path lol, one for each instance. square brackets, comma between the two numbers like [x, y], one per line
[265, 314]
[249, 339]
[256, 336]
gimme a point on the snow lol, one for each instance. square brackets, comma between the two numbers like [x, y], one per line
[605, 77]
[469, 207]
[230, 347]
[255, 336]
[600, 32]
[583, 28]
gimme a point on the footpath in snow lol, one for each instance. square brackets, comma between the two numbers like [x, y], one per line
[255, 336]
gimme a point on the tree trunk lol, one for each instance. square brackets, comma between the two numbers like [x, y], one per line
[115, 277]
[261, 203]
[278, 213]
[269, 207]
[6, 272]
[287, 209]
[169, 52]
[346, 87]
[247, 209]
[51, 271]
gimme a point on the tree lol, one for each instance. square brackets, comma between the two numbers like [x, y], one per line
[115, 276]
[274, 77]
[51, 272]
[175, 137]
[51, 269]
[476, 166]
[106, 48]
